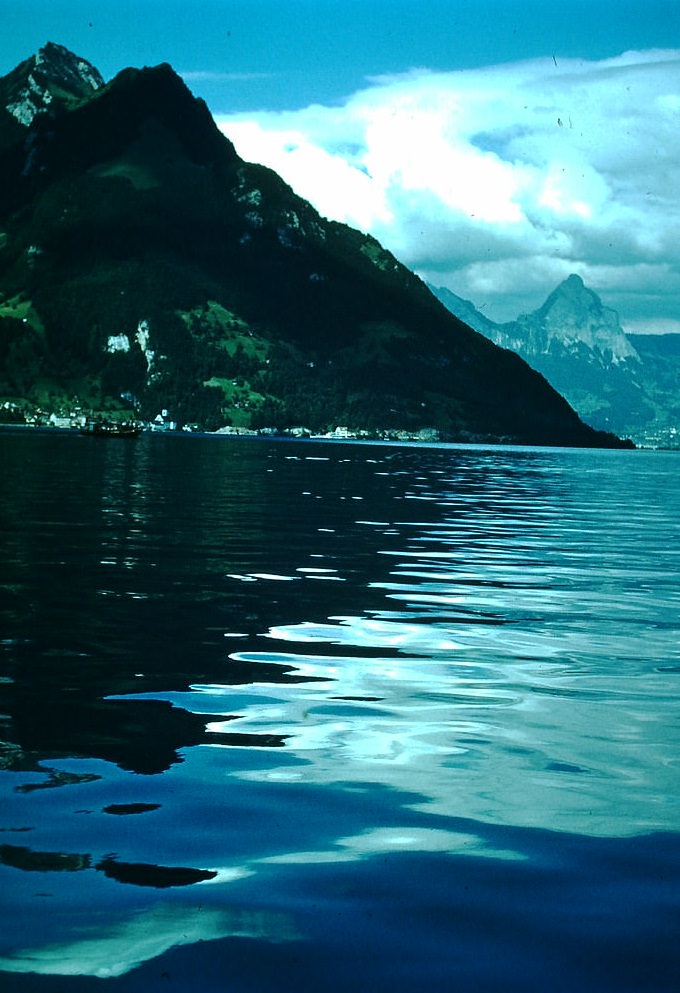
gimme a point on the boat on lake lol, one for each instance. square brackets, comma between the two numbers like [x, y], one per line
[111, 429]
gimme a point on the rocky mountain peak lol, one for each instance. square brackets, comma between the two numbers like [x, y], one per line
[73, 73]
[572, 301]
[53, 74]
[574, 286]
[573, 315]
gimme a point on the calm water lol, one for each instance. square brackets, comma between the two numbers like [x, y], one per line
[302, 716]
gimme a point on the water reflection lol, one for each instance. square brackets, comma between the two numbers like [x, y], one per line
[21, 857]
[114, 947]
[222, 663]
[500, 607]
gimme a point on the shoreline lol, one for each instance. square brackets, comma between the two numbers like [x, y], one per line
[339, 436]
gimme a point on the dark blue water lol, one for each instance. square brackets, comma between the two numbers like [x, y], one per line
[315, 716]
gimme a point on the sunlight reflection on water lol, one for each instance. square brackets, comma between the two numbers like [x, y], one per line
[258, 671]
[529, 674]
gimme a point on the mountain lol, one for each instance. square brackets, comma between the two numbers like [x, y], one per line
[52, 75]
[466, 311]
[617, 382]
[140, 257]
[573, 316]
[660, 358]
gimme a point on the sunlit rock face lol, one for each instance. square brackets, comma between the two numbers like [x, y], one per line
[572, 319]
[628, 384]
[53, 73]
[573, 315]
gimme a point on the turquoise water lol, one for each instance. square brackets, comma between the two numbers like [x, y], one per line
[299, 715]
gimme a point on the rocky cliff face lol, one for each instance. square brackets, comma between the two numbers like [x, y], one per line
[571, 317]
[141, 257]
[614, 381]
[52, 74]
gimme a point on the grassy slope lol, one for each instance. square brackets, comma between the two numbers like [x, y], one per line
[136, 209]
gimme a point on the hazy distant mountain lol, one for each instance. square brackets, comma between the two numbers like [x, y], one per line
[466, 311]
[621, 383]
[660, 377]
[573, 316]
[141, 257]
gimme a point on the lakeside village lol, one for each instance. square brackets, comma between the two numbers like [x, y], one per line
[75, 418]
[123, 423]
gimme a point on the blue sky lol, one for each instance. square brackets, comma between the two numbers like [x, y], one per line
[494, 145]
[286, 54]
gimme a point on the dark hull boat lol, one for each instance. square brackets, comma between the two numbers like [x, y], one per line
[112, 429]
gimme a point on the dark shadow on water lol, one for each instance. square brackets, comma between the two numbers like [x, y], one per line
[505, 910]
[133, 873]
[121, 809]
[158, 876]
[143, 736]
[65, 713]
[562, 916]
[21, 857]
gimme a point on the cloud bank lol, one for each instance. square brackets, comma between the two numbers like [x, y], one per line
[499, 182]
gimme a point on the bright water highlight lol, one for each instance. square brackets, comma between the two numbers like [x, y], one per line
[293, 716]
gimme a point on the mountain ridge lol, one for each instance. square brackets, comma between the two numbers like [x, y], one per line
[141, 257]
[615, 381]
[573, 313]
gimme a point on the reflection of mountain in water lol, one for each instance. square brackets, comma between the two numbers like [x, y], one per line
[179, 564]
[379, 690]
[143, 563]
[99, 611]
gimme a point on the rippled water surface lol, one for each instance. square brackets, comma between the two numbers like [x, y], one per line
[294, 715]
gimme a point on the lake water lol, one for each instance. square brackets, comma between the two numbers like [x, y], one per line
[290, 716]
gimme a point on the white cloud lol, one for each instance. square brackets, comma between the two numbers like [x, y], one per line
[498, 182]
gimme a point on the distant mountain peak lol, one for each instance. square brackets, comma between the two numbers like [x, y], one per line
[53, 74]
[573, 282]
[574, 296]
[574, 316]
[578, 344]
